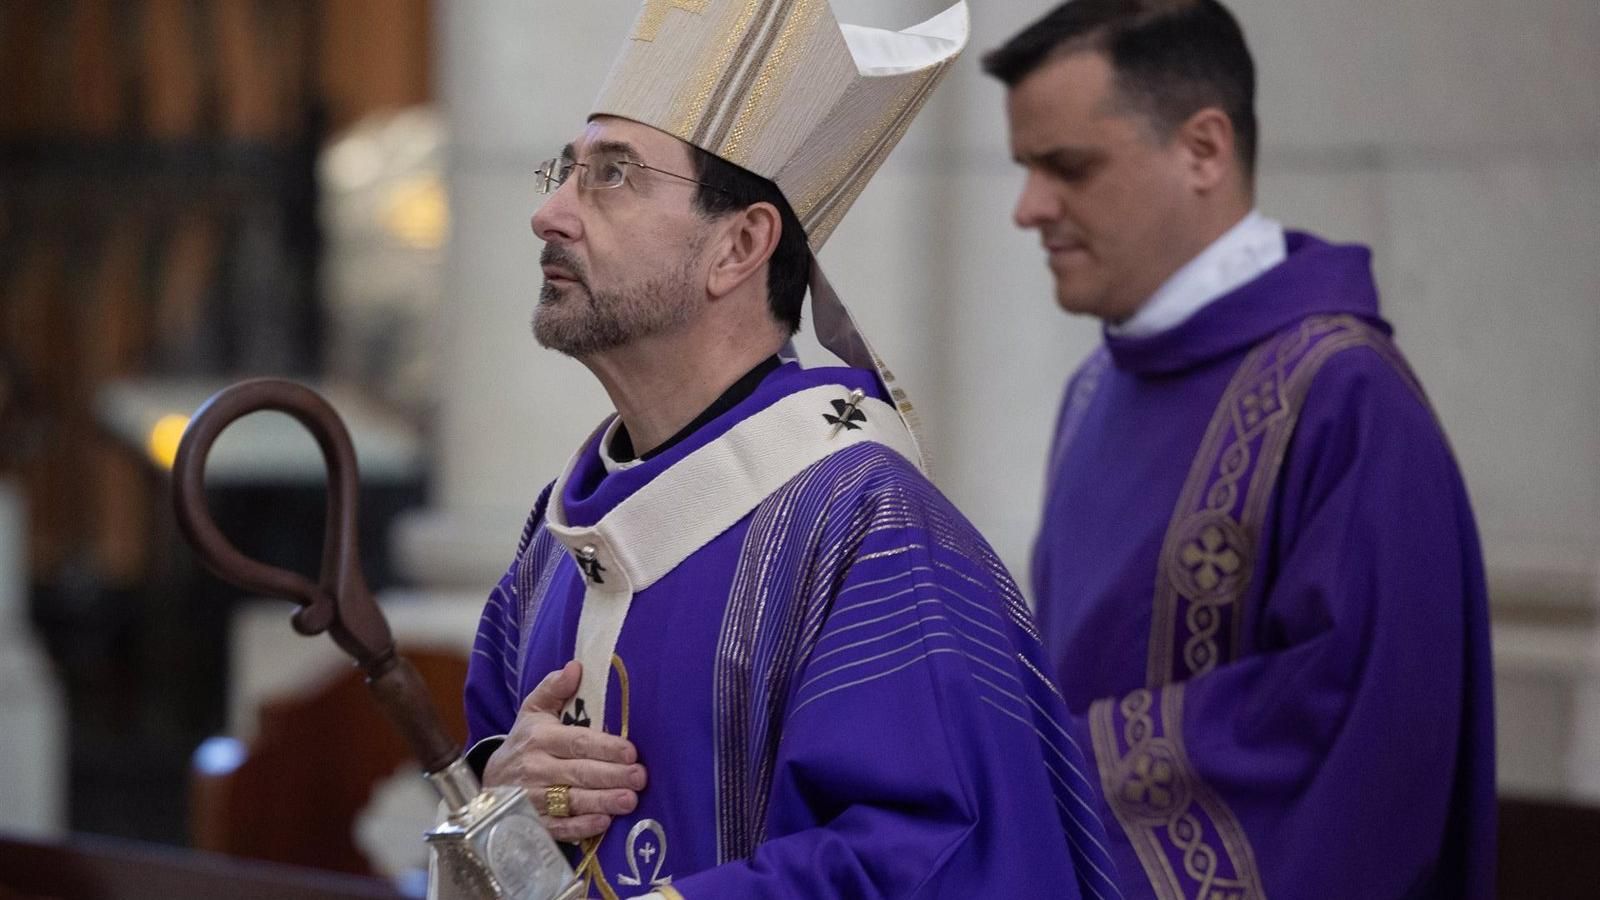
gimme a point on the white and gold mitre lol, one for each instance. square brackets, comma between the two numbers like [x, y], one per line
[781, 88]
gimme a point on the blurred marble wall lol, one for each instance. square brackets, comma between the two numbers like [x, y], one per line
[1459, 138]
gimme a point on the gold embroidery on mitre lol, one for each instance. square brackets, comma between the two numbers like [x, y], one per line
[655, 13]
[824, 208]
[690, 105]
[781, 89]
[760, 103]
[755, 49]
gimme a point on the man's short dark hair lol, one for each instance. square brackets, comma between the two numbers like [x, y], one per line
[1171, 59]
[727, 188]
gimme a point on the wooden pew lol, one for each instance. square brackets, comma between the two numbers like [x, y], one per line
[86, 868]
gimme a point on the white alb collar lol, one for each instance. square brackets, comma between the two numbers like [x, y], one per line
[611, 463]
[1241, 255]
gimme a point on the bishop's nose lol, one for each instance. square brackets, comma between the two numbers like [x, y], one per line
[556, 221]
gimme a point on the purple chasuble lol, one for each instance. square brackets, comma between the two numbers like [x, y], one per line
[1261, 591]
[840, 695]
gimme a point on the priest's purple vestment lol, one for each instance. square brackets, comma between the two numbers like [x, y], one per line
[1261, 591]
[836, 689]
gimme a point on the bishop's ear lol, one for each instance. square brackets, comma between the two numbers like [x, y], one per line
[1209, 144]
[745, 241]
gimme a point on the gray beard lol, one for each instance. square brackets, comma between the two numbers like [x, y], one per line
[579, 322]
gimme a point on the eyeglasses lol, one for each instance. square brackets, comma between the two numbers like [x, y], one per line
[602, 172]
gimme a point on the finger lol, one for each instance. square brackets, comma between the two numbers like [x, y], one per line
[576, 828]
[591, 775]
[555, 690]
[581, 802]
[587, 743]
[602, 803]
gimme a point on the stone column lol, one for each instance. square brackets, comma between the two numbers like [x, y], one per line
[33, 748]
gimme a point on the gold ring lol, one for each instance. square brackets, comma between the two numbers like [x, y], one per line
[556, 801]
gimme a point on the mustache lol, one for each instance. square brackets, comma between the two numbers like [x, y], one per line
[553, 255]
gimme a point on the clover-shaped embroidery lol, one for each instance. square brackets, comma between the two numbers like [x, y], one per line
[1210, 558]
[1150, 783]
[1259, 403]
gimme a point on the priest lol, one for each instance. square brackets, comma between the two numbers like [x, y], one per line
[1258, 577]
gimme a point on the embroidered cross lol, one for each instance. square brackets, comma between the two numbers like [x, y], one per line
[1150, 782]
[579, 716]
[1211, 558]
[847, 414]
[648, 851]
[1260, 403]
[655, 13]
[590, 564]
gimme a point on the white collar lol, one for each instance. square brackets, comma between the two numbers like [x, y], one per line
[611, 463]
[1242, 254]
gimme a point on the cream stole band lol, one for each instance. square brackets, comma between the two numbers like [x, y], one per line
[665, 522]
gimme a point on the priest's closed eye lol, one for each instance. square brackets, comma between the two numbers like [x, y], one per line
[1071, 166]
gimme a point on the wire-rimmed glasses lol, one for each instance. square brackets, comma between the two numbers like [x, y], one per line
[600, 172]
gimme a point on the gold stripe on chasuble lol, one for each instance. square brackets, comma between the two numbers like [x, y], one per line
[1211, 544]
[748, 731]
[743, 783]
[1187, 839]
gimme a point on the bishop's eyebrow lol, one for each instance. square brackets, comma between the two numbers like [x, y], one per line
[617, 148]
